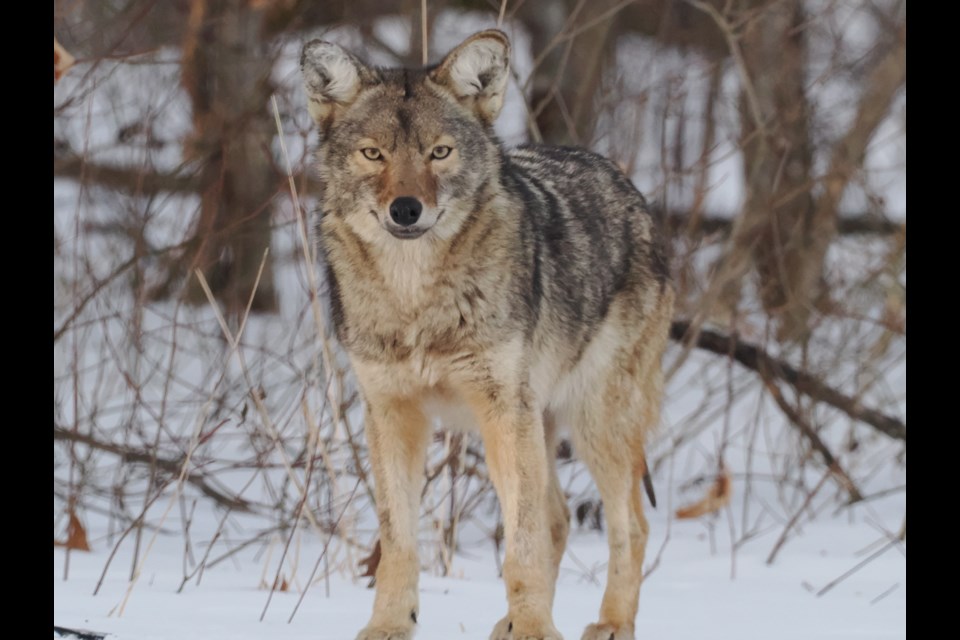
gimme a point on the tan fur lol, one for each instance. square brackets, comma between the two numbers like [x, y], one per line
[447, 325]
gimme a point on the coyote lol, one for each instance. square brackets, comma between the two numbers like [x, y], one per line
[518, 292]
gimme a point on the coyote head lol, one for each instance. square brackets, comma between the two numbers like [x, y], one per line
[407, 153]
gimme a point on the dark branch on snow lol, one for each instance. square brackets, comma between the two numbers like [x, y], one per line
[756, 359]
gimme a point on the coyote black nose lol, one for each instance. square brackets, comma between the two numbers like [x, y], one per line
[405, 211]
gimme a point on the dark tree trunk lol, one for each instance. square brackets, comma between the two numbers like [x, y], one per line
[226, 72]
[567, 80]
[774, 232]
[778, 162]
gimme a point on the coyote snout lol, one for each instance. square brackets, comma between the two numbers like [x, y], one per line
[515, 313]
[405, 214]
[405, 211]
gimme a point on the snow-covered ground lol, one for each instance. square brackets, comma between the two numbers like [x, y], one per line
[691, 594]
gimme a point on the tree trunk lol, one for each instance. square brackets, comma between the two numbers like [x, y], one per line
[775, 230]
[226, 72]
[568, 77]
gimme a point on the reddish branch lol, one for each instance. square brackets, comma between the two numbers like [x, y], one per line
[756, 359]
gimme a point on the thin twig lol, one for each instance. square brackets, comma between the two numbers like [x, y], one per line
[323, 552]
[733, 43]
[195, 438]
[127, 454]
[846, 574]
[255, 395]
[797, 420]
[309, 265]
[312, 436]
[796, 517]
[423, 31]
[885, 593]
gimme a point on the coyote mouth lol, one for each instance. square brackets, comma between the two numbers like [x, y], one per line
[411, 233]
[405, 233]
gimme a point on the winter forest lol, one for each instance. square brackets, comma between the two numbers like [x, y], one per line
[211, 474]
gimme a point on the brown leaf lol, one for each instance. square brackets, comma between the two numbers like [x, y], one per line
[717, 497]
[62, 60]
[279, 584]
[76, 535]
[371, 562]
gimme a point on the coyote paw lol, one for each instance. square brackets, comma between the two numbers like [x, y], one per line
[392, 632]
[503, 630]
[607, 632]
[385, 634]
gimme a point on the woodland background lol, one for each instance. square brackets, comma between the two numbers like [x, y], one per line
[199, 396]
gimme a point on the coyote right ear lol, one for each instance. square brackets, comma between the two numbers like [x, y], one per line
[476, 73]
[333, 79]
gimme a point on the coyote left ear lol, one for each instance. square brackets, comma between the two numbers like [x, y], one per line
[476, 73]
[333, 79]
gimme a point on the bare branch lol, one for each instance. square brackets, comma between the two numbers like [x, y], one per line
[128, 179]
[815, 441]
[173, 466]
[853, 224]
[756, 359]
[880, 89]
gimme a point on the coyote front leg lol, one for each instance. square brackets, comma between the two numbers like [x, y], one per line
[397, 434]
[513, 436]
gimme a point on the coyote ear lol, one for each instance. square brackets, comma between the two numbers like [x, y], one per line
[476, 73]
[332, 77]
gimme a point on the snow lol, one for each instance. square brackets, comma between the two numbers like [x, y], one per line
[690, 595]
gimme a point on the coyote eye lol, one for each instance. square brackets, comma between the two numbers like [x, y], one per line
[440, 152]
[371, 153]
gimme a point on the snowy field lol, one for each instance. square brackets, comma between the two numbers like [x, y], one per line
[689, 596]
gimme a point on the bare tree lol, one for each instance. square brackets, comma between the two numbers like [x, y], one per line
[226, 72]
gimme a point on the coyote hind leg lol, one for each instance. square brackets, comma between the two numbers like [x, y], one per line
[610, 440]
[618, 481]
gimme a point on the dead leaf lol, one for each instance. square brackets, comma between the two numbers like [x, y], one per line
[371, 562]
[62, 60]
[279, 584]
[76, 535]
[717, 497]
